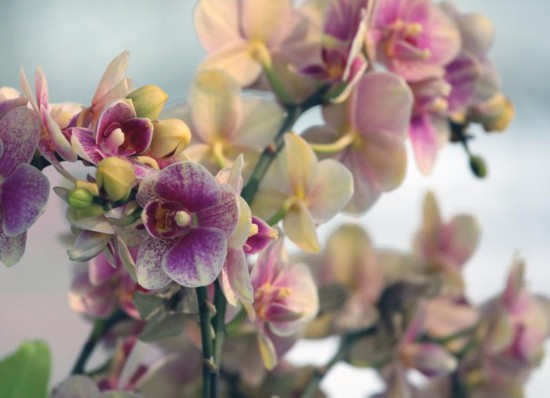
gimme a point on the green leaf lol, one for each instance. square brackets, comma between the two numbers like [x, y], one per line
[26, 373]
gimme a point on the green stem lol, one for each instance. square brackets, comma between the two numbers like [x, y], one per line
[218, 323]
[101, 328]
[209, 369]
[343, 351]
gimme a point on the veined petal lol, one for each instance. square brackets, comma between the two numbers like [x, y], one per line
[215, 105]
[332, 190]
[190, 184]
[11, 247]
[300, 228]
[197, 259]
[260, 121]
[224, 215]
[19, 132]
[217, 23]
[238, 61]
[149, 271]
[24, 195]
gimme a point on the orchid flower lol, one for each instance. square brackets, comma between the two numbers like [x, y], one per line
[303, 192]
[366, 134]
[224, 124]
[285, 297]
[239, 35]
[119, 132]
[24, 190]
[446, 246]
[190, 217]
[414, 38]
[343, 64]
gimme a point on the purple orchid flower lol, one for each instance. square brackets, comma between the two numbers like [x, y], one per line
[190, 217]
[119, 132]
[24, 190]
[414, 38]
[343, 63]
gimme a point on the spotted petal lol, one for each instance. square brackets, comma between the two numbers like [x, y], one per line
[11, 247]
[24, 195]
[19, 132]
[150, 274]
[197, 259]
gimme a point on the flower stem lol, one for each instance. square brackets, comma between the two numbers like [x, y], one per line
[101, 328]
[209, 368]
[218, 323]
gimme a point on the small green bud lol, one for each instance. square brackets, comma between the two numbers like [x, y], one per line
[478, 166]
[148, 101]
[80, 198]
[116, 177]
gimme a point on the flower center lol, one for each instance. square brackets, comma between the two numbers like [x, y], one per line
[402, 41]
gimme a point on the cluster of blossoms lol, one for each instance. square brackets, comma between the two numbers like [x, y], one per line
[183, 222]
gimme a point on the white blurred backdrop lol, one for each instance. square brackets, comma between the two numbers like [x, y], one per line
[74, 41]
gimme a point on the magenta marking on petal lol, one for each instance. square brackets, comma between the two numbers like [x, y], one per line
[197, 259]
[84, 144]
[190, 184]
[24, 195]
[149, 271]
[19, 132]
[224, 215]
[8, 105]
[138, 134]
[261, 239]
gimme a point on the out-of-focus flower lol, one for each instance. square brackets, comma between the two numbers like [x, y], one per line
[240, 35]
[10, 98]
[414, 38]
[343, 64]
[285, 298]
[224, 124]
[303, 192]
[366, 134]
[119, 132]
[445, 247]
[189, 217]
[100, 288]
[24, 190]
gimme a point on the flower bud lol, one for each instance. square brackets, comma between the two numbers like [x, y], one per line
[116, 177]
[148, 101]
[170, 137]
[478, 166]
[80, 198]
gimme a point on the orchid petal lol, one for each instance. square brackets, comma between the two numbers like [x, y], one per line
[197, 259]
[190, 184]
[238, 277]
[149, 271]
[88, 245]
[19, 132]
[112, 76]
[216, 105]
[84, 145]
[12, 248]
[116, 113]
[224, 215]
[462, 237]
[301, 164]
[60, 142]
[217, 23]
[261, 19]
[332, 190]
[238, 61]
[24, 195]
[300, 228]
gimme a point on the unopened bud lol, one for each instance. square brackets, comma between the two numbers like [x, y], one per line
[116, 177]
[170, 137]
[478, 166]
[80, 198]
[148, 101]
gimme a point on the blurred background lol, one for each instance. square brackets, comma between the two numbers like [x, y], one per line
[75, 40]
